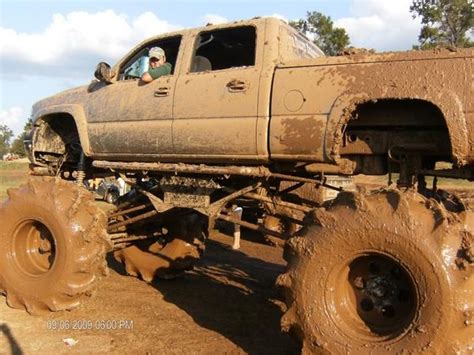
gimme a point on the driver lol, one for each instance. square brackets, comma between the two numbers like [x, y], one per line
[158, 65]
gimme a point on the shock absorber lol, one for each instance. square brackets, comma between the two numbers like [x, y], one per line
[81, 169]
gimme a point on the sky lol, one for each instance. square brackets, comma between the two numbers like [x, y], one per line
[47, 46]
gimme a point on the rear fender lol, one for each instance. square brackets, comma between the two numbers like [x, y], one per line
[447, 102]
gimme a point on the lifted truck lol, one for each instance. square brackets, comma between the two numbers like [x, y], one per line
[253, 111]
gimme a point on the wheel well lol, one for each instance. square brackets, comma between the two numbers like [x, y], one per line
[379, 129]
[56, 137]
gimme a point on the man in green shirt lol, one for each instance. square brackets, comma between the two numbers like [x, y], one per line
[158, 65]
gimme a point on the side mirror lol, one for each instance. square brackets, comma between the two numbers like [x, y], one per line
[103, 72]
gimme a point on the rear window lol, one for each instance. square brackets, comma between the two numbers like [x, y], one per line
[223, 49]
[297, 46]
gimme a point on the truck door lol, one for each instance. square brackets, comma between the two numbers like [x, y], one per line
[216, 101]
[129, 118]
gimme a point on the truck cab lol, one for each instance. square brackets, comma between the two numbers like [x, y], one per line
[219, 91]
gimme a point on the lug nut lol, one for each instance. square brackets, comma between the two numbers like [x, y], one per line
[359, 282]
[44, 246]
[367, 305]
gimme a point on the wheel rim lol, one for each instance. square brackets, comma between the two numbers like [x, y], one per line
[33, 248]
[376, 297]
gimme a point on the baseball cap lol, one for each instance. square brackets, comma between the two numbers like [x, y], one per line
[156, 52]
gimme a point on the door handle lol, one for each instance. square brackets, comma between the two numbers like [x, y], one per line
[237, 86]
[161, 92]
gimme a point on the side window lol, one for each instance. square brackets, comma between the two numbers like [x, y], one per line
[295, 46]
[138, 63]
[223, 49]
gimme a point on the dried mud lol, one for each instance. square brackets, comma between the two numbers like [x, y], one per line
[227, 304]
[415, 250]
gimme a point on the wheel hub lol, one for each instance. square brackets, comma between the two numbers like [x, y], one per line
[33, 248]
[379, 295]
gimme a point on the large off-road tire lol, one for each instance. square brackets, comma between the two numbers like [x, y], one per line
[52, 245]
[390, 271]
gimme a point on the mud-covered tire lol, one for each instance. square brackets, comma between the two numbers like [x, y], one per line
[52, 245]
[389, 271]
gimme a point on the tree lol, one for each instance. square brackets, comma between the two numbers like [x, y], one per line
[5, 135]
[17, 146]
[445, 23]
[330, 39]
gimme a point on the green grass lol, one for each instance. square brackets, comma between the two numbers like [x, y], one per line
[12, 174]
[13, 166]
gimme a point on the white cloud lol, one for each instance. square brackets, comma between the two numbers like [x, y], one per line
[214, 19]
[382, 25]
[279, 16]
[148, 25]
[73, 43]
[14, 118]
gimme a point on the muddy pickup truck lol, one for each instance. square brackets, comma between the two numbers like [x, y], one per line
[253, 115]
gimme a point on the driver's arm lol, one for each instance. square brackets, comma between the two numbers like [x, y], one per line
[146, 77]
[155, 73]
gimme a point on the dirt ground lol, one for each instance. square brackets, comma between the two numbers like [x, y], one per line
[228, 304]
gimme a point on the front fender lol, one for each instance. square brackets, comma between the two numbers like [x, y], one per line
[77, 113]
